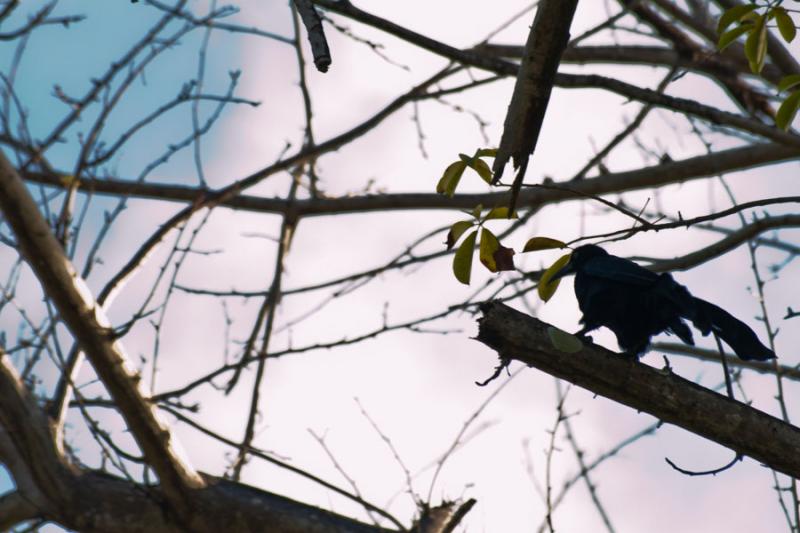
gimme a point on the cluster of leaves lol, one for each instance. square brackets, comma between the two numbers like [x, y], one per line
[492, 254]
[751, 20]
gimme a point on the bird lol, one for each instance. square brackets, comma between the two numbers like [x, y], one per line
[636, 304]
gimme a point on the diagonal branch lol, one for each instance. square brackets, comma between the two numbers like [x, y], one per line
[92, 331]
[15, 509]
[547, 39]
[661, 393]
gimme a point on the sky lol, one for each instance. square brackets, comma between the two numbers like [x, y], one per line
[417, 388]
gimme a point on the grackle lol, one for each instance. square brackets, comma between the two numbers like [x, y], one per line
[636, 304]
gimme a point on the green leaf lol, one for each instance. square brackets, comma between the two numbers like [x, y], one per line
[755, 46]
[456, 231]
[449, 180]
[500, 212]
[476, 211]
[730, 36]
[563, 341]
[489, 245]
[482, 168]
[546, 287]
[785, 24]
[486, 152]
[732, 15]
[787, 111]
[788, 82]
[542, 243]
[478, 165]
[462, 262]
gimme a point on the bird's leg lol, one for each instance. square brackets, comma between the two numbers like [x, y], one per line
[582, 333]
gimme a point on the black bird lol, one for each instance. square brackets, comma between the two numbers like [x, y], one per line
[636, 304]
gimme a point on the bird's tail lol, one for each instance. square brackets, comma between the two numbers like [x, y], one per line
[736, 334]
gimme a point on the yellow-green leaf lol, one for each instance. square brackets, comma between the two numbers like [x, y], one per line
[730, 36]
[489, 245]
[563, 341]
[482, 168]
[547, 286]
[542, 243]
[462, 262]
[788, 82]
[785, 24]
[500, 212]
[476, 211]
[732, 15]
[449, 180]
[486, 152]
[755, 46]
[787, 111]
[456, 231]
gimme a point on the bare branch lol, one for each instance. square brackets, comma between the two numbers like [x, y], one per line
[91, 328]
[664, 395]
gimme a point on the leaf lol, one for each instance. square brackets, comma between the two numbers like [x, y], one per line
[787, 111]
[500, 212]
[542, 243]
[788, 82]
[476, 211]
[478, 165]
[456, 231]
[563, 341]
[755, 46]
[462, 262]
[730, 36]
[482, 168]
[449, 180]
[489, 245]
[785, 24]
[732, 15]
[547, 288]
[486, 152]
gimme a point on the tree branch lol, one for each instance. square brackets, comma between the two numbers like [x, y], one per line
[547, 39]
[661, 393]
[648, 177]
[92, 331]
[15, 509]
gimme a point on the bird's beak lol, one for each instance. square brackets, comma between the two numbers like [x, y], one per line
[566, 270]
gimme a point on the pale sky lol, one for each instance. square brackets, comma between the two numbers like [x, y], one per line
[418, 388]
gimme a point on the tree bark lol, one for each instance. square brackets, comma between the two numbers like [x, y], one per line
[661, 393]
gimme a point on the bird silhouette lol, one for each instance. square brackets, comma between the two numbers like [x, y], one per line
[636, 304]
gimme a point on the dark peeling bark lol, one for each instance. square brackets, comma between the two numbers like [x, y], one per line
[546, 42]
[661, 393]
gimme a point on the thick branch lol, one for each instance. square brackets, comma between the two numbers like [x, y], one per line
[15, 509]
[89, 501]
[668, 397]
[92, 331]
[27, 444]
[649, 177]
[112, 504]
[547, 39]
[316, 34]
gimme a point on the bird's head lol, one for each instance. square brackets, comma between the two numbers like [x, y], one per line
[578, 258]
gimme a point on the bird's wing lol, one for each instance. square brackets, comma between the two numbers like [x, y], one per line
[620, 270]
